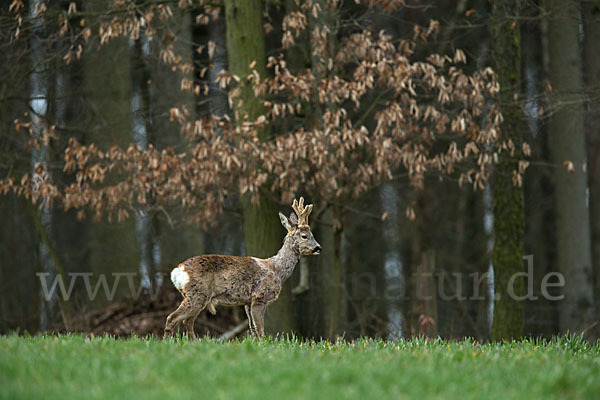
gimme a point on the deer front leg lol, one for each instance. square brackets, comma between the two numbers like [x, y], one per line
[250, 322]
[258, 319]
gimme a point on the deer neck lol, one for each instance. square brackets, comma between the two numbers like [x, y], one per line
[285, 260]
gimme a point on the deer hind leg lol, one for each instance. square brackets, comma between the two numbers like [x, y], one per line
[250, 322]
[258, 319]
[199, 303]
[189, 325]
[187, 311]
[177, 316]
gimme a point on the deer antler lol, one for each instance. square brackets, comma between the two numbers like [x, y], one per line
[301, 211]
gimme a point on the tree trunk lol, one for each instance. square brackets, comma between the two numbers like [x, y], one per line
[331, 239]
[390, 204]
[508, 204]
[246, 45]
[541, 314]
[427, 293]
[568, 152]
[591, 68]
[40, 91]
[141, 107]
[262, 231]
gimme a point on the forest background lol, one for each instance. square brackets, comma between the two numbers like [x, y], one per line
[450, 149]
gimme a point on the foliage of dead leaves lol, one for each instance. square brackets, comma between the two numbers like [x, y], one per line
[367, 112]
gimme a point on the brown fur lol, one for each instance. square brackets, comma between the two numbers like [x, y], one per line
[248, 281]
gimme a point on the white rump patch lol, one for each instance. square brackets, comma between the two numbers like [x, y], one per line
[179, 277]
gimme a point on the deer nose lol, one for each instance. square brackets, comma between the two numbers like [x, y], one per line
[317, 250]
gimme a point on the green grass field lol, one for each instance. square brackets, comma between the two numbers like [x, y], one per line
[66, 367]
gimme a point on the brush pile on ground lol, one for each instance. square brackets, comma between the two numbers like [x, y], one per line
[146, 315]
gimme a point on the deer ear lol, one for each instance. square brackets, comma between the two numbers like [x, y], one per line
[285, 222]
[294, 218]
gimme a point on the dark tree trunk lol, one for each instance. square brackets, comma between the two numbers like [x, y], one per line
[591, 69]
[335, 290]
[541, 314]
[508, 204]
[568, 151]
[263, 233]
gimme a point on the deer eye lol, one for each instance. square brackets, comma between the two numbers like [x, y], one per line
[304, 236]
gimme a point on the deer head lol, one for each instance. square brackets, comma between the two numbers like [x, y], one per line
[299, 230]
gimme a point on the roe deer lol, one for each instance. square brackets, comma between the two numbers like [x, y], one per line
[211, 280]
